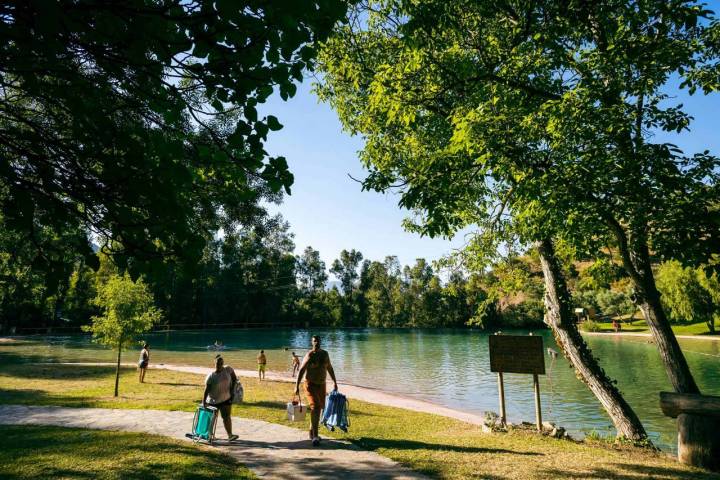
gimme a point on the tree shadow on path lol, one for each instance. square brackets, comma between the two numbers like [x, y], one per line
[375, 443]
[629, 471]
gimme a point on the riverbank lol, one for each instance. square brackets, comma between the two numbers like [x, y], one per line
[434, 445]
[610, 333]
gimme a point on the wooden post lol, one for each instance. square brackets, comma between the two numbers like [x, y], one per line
[538, 414]
[698, 418]
[501, 390]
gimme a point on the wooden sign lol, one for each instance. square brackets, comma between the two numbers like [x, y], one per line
[516, 354]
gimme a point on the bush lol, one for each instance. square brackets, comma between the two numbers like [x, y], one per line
[590, 326]
[605, 301]
[585, 299]
[614, 303]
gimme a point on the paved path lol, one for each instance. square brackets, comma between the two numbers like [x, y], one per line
[352, 391]
[271, 451]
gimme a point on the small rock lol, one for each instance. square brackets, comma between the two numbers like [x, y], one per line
[548, 425]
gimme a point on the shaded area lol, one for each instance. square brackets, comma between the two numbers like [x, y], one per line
[54, 452]
[375, 443]
[58, 371]
[629, 471]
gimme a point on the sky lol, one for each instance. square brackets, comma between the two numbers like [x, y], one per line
[327, 209]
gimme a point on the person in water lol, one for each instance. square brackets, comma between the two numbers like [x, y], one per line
[295, 363]
[262, 362]
[219, 388]
[144, 361]
[316, 365]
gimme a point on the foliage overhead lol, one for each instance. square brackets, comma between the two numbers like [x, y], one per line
[137, 120]
[533, 119]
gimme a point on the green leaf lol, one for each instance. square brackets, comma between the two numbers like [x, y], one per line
[273, 123]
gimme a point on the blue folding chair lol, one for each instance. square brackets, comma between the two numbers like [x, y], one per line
[204, 424]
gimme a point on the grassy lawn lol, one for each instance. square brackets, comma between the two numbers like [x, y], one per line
[441, 447]
[639, 326]
[68, 453]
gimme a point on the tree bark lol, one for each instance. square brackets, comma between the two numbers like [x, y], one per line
[117, 369]
[636, 261]
[561, 320]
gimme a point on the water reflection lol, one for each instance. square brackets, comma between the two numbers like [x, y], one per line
[446, 367]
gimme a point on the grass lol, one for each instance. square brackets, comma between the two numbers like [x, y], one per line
[29, 452]
[438, 446]
[639, 326]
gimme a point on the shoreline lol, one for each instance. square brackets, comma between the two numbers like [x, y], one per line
[366, 394]
[714, 338]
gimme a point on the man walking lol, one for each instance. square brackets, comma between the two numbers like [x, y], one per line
[262, 361]
[219, 386]
[316, 365]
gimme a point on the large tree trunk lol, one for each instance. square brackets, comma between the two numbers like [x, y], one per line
[561, 320]
[636, 261]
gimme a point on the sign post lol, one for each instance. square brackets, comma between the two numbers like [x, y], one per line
[517, 354]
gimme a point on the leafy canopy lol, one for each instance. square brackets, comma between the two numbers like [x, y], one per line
[127, 310]
[137, 120]
[532, 119]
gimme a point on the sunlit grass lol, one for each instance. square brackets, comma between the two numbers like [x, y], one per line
[30, 452]
[439, 446]
[640, 326]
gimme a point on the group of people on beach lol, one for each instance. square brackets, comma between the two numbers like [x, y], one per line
[220, 384]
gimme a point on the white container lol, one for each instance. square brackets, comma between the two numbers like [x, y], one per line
[296, 412]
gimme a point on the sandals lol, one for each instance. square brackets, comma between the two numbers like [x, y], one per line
[232, 438]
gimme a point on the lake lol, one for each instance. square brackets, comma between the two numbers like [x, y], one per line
[448, 367]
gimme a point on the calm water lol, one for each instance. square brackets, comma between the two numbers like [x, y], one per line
[447, 367]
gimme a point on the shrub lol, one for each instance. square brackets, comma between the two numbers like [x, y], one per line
[590, 326]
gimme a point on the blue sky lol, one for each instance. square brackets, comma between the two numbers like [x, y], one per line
[327, 209]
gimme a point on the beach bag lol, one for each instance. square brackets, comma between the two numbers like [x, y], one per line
[238, 393]
[335, 414]
[296, 410]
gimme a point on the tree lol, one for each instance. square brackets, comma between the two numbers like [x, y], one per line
[544, 113]
[137, 120]
[561, 319]
[683, 295]
[127, 311]
[383, 293]
[311, 274]
[461, 106]
[345, 269]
